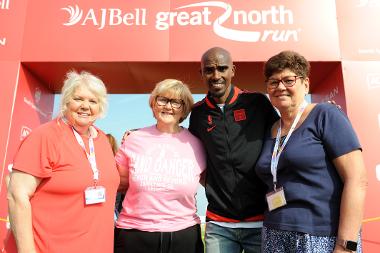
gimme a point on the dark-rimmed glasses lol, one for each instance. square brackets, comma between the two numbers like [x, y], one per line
[287, 81]
[175, 103]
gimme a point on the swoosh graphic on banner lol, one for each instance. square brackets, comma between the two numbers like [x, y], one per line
[224, 32]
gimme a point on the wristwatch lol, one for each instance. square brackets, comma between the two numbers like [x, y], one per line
[347, 245]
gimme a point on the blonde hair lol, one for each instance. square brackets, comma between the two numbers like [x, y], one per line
[177, 88]
[113, 143]
[93, 83]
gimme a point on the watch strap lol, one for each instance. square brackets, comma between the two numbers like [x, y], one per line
[347, 245]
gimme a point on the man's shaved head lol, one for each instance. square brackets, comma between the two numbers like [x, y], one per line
[216, 51]
[217, 70]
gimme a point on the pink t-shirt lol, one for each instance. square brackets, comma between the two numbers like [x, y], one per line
[164, 171]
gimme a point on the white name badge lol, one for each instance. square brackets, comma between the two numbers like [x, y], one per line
[94, 195]
[276, 199]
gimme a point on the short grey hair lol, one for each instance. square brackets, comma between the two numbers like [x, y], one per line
[93, 83]
[177, 88]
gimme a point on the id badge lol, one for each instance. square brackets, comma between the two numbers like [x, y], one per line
[94, 195]
[276, 199]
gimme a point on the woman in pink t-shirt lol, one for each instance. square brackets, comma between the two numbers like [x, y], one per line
[160, 166]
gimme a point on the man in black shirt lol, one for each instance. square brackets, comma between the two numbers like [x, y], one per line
[231, 124]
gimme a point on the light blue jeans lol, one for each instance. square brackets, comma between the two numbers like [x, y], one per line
[232, 240]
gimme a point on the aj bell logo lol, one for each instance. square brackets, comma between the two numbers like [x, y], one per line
[4, 4]
[373, 80]
[25, 131]
[368, 3]
[275, 15]
[75, 15]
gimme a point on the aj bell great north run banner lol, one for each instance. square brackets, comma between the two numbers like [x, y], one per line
[343, 32]
[177, 30]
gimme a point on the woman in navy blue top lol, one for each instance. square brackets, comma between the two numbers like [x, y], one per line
[312, 165]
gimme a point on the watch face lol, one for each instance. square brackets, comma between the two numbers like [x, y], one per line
[350, 245]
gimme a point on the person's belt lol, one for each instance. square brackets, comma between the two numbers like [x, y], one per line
[215, 217]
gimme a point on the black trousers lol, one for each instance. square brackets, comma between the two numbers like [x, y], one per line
[135, 241]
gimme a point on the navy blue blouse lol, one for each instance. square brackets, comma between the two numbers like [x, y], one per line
[311, 183]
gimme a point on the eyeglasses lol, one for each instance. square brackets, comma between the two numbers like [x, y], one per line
[175, 103]
[287, 81]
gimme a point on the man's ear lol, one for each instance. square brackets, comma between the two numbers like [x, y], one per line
[233, 70]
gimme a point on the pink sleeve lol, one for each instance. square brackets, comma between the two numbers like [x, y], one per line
[201, 156]
[121, 157]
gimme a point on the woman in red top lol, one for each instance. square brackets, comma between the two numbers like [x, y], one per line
[64, 179]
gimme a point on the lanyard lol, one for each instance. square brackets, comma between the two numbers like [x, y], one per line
[278, 150]
[90, 156]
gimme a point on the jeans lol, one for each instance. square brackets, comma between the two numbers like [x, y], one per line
[232, 240]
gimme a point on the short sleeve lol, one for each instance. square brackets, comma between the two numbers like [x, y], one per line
[121, 157]
[200, 152]
[337, 133]
[36, 155]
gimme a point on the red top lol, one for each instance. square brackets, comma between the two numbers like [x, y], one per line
[61, 220]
